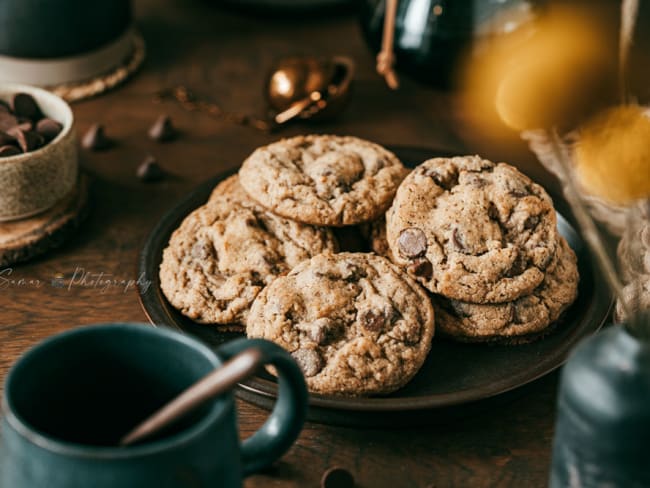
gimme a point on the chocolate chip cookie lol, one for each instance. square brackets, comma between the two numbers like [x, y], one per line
[354, 322]
[323, 180]
[522, 320]
[225, 252]
[472, 230]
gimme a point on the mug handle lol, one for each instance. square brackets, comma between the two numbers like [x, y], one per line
[284, 424]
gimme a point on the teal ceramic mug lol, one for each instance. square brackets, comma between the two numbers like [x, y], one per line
[68, 401]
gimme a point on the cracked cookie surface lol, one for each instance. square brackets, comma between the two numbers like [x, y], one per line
[354, 322]
[525, 318]
[472, 230]
[323, 180]
[225, 252]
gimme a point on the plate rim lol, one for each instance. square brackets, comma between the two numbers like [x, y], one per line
[261, 387]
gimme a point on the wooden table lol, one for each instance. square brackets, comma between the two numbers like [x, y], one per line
[224, 56]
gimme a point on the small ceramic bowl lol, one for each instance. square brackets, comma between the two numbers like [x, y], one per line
[33, 182]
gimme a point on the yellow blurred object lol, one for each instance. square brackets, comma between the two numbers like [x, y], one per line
[612, 155]
[551, 76]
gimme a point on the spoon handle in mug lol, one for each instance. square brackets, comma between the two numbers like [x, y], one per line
[217, 382]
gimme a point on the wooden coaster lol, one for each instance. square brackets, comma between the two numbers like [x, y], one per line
[24, 239]
[81, 90]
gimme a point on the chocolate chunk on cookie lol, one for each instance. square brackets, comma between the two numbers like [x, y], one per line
[323, 180]
[472, 230]
[354, 322]
[521, 320]
[226, 252]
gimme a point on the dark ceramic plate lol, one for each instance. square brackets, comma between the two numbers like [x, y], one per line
[456, 378]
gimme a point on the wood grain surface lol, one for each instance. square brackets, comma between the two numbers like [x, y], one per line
[225, 56]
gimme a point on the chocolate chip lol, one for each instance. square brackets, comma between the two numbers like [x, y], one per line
[412, 242]
[163, 130]
[24, 105]
[518, 266]
[337, 477]
[520, 192]
[531, 222]
[150, 170]
[493, 211]
[373, 321]
[422, 268]
[514, 314]
[458, 240]
[309, 361]
[28, 140]
[6, 151]
[443, 177]
[48, 128]
[95, 139]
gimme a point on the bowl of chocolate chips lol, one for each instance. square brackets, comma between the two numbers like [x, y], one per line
[38, 151]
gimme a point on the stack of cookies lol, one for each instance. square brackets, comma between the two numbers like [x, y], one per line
[482, 238]
[263, 254]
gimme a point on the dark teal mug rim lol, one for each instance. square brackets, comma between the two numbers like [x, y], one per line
[59, 446]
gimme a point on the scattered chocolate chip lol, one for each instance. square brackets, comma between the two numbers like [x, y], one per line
[6, 151]
[28, 140]
[48, 128]
[337, 477]
[309, 361]
[373, 321]
[163, 130]
[531, 222]
[95, 139]
[412, 242]
[421, 267]
[150, 170]
[458, 240]
[24, 105]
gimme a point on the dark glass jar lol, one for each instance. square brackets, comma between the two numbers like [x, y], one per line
[37, 29]
[432, 36]
[603, 422]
